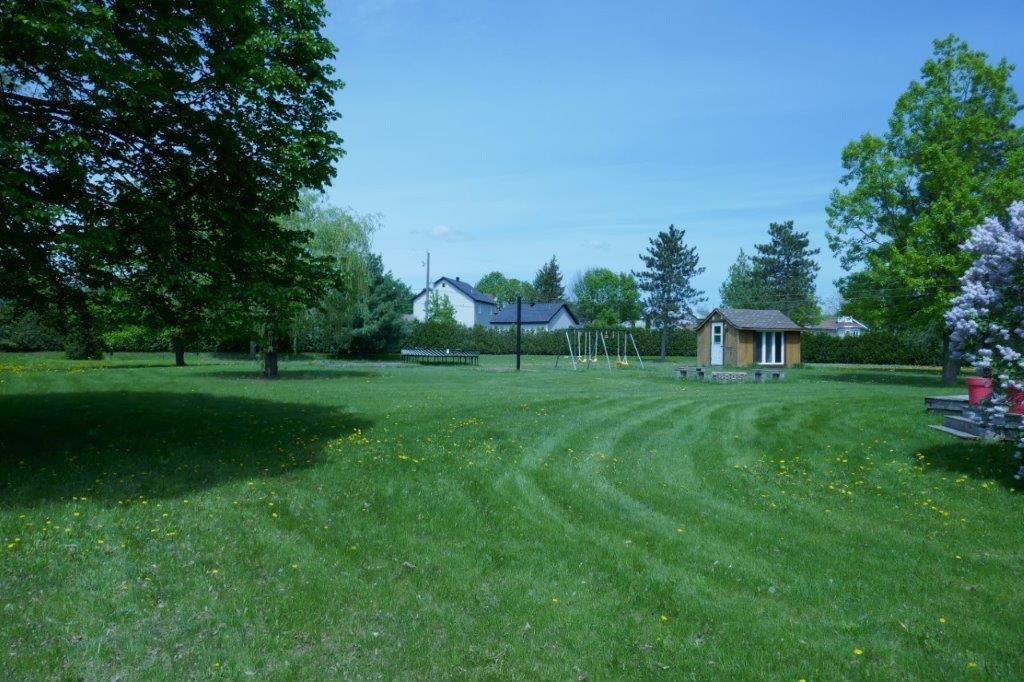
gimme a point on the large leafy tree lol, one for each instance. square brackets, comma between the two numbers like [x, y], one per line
[952, 156]
[667, 281]
[548, 283]
[740, 289]
[784, 270]
[506, 289]
[148, 149]
[607, 299]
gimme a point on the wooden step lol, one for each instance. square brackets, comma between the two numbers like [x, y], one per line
[967, 424]
[953, 432]
[946, 404]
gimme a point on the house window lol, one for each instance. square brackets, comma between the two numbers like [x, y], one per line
[770, 348]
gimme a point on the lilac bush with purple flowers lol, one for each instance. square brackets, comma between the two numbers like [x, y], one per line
[987, 317]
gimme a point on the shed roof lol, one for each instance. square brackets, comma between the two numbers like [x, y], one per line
[747, 318]
[534, 313]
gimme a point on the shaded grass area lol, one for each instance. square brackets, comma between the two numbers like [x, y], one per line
[475, 522]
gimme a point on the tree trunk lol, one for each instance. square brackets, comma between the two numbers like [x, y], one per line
[254, 350]
[950, 364]
[664, 342]
[179, 352]
[270, 360]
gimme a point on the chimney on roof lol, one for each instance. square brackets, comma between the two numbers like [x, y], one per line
[457, 279]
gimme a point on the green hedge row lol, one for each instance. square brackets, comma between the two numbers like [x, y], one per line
[873, 348]
[502, 341]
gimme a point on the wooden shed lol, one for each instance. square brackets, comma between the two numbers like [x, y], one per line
[739, 337]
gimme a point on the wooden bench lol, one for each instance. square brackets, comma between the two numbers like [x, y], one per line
[729, 377]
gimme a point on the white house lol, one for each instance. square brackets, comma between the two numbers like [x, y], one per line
[838, 326]
[472, 307]
[536, 317]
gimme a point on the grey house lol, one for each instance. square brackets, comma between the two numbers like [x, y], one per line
[537, 316]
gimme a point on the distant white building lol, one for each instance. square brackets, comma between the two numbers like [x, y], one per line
[472, 307]
[838, 326]
[537, 317]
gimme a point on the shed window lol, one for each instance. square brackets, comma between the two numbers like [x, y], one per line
[770, 348]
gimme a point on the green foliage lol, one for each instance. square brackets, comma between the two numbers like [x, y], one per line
[135, 338]
[667, 281]
[952, 156]
[80, 344]
[548, 283]
[873, 348]
[26, 330]
[147, 150]
[607, 299]
[784, 270]
[341, 240]
[740, 288]
[379, 322]
[439, 309]
[506, 289]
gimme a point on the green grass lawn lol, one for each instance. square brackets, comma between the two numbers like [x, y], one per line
[369, 520]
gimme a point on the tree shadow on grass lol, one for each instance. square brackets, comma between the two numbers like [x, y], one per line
[285, 374]
[113, 446]
[990, 461]
[892, 377]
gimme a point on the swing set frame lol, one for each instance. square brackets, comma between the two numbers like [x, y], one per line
[590, 342]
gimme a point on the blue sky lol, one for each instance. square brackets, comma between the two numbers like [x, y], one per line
[495, 134]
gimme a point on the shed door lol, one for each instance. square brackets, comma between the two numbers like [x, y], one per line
[717, 332]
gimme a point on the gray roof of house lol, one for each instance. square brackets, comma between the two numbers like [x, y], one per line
[464, 287]
[534, 313]
[746, 318]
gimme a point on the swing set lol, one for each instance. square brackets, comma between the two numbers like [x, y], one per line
[590, 342]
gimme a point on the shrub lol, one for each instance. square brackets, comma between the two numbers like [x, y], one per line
[873, 348]
[133, 338]
[27, 332]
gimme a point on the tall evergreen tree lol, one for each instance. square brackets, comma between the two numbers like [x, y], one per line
[548, 283]
[740, 289]
[667, 281]
[953, 155]
[784, 270]
[379, 320]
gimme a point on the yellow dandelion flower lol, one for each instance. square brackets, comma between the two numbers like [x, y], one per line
[664, 618]
[858, 652]
[941, 619]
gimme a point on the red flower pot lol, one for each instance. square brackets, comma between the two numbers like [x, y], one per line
[1016, 399]
[978, 388]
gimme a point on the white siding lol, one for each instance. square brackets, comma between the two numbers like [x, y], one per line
[467, 311]
[562, 320]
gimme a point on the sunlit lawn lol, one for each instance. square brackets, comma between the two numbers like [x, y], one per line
[370, 520]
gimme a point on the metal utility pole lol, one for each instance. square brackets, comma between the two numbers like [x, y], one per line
[428, 271]
[519, 331]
